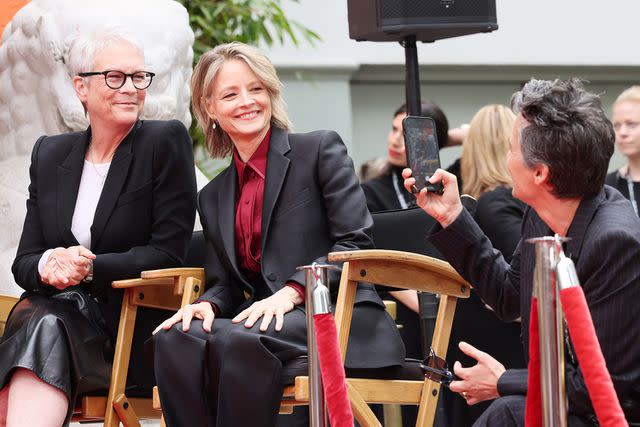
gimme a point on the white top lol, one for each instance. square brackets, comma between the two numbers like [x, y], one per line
[91, 185]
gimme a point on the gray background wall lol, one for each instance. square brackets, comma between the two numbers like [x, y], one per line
[354, 87]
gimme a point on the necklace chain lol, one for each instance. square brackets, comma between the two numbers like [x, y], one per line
[103, 177]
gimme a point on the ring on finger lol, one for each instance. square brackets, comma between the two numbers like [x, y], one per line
[464, 394]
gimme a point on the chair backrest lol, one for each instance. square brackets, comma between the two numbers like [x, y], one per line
[196, 250]
[404, 230]
[408, 271]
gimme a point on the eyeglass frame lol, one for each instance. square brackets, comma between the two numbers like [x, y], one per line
[446, 376]
[124, 80]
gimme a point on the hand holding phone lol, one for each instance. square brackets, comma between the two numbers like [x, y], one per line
[421, 146]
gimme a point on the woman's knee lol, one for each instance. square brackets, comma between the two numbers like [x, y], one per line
[4, 404]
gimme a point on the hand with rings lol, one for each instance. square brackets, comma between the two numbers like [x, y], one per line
[276, 306]
[480, 381]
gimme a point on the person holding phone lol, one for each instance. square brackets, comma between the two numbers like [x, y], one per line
[286, 200]
[499, 215]
[558, 157]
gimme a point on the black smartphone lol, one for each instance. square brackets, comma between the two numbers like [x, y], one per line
[423, 155]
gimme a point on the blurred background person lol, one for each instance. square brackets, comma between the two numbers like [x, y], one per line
[286, 200]
[486, 178]
[626, 123]
[104, 204]
[383, 189]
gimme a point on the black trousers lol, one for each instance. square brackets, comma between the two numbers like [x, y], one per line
[229, 377]
[508, 411]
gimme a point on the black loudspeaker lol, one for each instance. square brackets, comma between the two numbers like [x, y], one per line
[428, 20]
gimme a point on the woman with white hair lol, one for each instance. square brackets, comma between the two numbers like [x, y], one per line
[104, 204]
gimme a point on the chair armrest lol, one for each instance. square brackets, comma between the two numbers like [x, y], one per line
[188, 282]
[132, 283]
[403, 270]
[174, 272]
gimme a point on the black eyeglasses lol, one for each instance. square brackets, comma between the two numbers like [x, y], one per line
[115, 79]
[435, 369]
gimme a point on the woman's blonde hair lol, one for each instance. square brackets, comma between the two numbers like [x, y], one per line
[631, 94]
[217, 141]
[484, 150]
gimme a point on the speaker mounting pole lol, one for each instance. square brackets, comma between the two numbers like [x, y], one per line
[412, 76]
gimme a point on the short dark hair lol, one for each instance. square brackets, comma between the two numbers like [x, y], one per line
[429, 109]
[568, 131]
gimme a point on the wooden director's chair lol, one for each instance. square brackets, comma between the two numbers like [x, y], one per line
[163, 289]
[406, 385]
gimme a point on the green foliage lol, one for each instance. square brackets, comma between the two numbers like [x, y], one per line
[249, 21]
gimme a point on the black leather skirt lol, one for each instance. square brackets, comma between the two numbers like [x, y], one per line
[62, 338]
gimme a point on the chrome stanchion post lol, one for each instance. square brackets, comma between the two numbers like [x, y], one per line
[317, 301]
[551, 331]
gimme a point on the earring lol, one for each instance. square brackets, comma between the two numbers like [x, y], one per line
[214, 125]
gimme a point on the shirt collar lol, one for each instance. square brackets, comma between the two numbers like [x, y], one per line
[257, 161]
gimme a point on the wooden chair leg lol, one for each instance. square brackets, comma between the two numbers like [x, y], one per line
[441, 333]
[125, 412]
[121, 358]
[361, 411]
[344, 308]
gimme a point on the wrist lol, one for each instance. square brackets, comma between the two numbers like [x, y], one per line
[451, 217]
[294, 294]
[89, 276]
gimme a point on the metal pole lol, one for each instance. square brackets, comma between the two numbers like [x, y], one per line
[412, 76]
[550, 326]
[316, 301]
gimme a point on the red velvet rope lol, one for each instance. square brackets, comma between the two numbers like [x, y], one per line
[592, 363]
[533, 409]
[332, 370]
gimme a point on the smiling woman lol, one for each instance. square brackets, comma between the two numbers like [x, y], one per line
[286, 200]
[239, 103]
[79, 236]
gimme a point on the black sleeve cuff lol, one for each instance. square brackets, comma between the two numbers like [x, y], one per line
[513, 382]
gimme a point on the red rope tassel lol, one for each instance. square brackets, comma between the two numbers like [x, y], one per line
[592, 363]
[333, 377]
[533, 409]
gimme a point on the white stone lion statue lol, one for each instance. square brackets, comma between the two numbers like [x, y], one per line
[37, 97]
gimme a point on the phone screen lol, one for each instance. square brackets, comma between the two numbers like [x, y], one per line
[421, 145]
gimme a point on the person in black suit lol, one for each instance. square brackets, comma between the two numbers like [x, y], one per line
[558, 158]
[104, 204]
[499, 215]
[286, 200]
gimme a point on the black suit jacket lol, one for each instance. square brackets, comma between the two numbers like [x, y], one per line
[144, 218]
[605, 247]
[313, 205]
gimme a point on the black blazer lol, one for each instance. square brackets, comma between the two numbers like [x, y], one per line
[144, 218]
[605, 247]
[313, 205]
